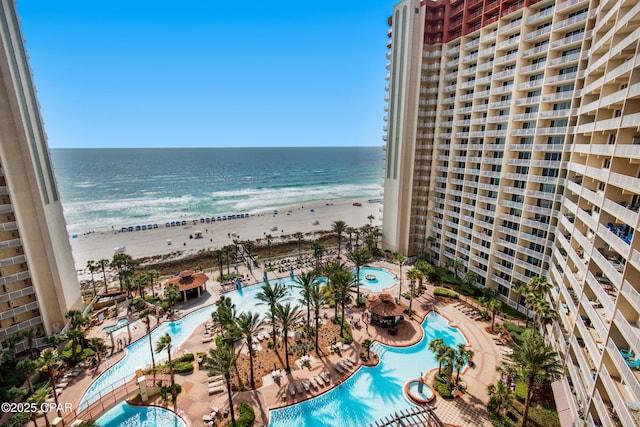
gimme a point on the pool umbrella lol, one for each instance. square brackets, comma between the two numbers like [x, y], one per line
[293, 276]
[266, 279]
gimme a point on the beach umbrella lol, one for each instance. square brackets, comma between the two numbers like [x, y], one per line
[238, 283]
[266, 279]
[293, 276]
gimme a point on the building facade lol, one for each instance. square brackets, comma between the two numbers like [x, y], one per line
[38, 282]
[513, 150]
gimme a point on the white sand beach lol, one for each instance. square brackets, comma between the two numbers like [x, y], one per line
[307, 218]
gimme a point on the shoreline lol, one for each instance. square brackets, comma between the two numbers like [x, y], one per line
[307, 218]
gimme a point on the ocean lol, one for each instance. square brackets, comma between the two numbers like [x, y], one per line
[104, 188]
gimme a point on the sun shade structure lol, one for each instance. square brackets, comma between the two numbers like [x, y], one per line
[384, 310]
[187, 281]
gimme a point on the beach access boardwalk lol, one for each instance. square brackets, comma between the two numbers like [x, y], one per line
[194, 402]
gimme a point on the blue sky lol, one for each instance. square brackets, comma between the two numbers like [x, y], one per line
[133, 73]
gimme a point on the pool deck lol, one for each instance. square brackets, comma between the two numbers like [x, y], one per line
[195, 402]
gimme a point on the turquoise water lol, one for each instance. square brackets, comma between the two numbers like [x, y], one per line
[118, 325]
[101, 188]
[138, 354]
[383, 279]
[371, 393]
[125, 415]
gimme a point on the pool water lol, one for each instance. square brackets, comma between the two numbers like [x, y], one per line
[383, 279]
[125, 415]
[121, 323]
[138, 354]
[372, 392]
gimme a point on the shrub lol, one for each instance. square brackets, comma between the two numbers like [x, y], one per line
[521, 391]
[17, 420]
[151, 298]
[187, 357]
[512, 327]
[442, 389]
[468, 290]
[247, 415]
[347, 339]
[182, 367]
[441, 292]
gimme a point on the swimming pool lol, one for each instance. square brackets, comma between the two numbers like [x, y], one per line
[371, 393]
[121, 323]
[125, 415]
[138, 354]
[381, 279]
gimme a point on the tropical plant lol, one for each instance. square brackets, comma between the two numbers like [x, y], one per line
[401, 260]
[141, 282]
[371, 218]
[225, 317]
[50, 363]
[338, 227]
[305, 281]
[218, 254]
[316, 297]
[413, 274]
[153, 276]
[461, 357]
[535, 361]
[91, 266]
[164, 343]
[103, 264]
[425, 268]
[98, 346]
[249, 325]
[28, 368]
[146, 319]
[30, 335]
[367, 345]
[438, 347]
[125, 265]
[299, 237]
[318, 253]
[269, 239]
[172, 294]
[493, 305]
[221, 361]
[271, 296]
[501, 396]
[287, 316]
[359, 258]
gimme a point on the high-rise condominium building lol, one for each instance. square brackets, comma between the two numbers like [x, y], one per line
[38, 282]
[513, 151]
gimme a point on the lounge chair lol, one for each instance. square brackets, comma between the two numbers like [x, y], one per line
[305, 384]
[348, 362]
[325, 377]
[216, 383]
[299, 388]
[206, 340]
[634, 364]
[215, 378]
[319, 381]
[626, 353]
[339, 368]
[215, 390]
[292, 389]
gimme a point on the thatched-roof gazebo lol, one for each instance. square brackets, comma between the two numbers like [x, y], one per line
[385, 312]
[188, 283]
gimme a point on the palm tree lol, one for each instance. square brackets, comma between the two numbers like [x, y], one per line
[343, 284]
[298, 236]
[305, 281]
[146, 318]
[461, 357]
[338, 227]
[535, 361]
[249, 325]
[367, 344]
[125, 265]
[438, 347]
[287, 316]
[272, 295]
[103, 264]
[172, 293]
[164, 343]
[413, 274]
[91, 266]
[546, 316]
[350, 231]
[141, 282]
[227, 250]
[401, 259]
[318, 252]
[269, 239]
[97, 344]
[221, 361]
[425, 268]
[316, 297]
[501, 396]
[225, 317]
[454, 264]
[493, 305]
[28, 368]
[50, 363]
[371, 218]
[218, 254]
[470, 279]
[153, 276]
[30, 335]
[359, 258]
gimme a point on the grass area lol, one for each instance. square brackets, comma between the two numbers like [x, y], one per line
[539, 416]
